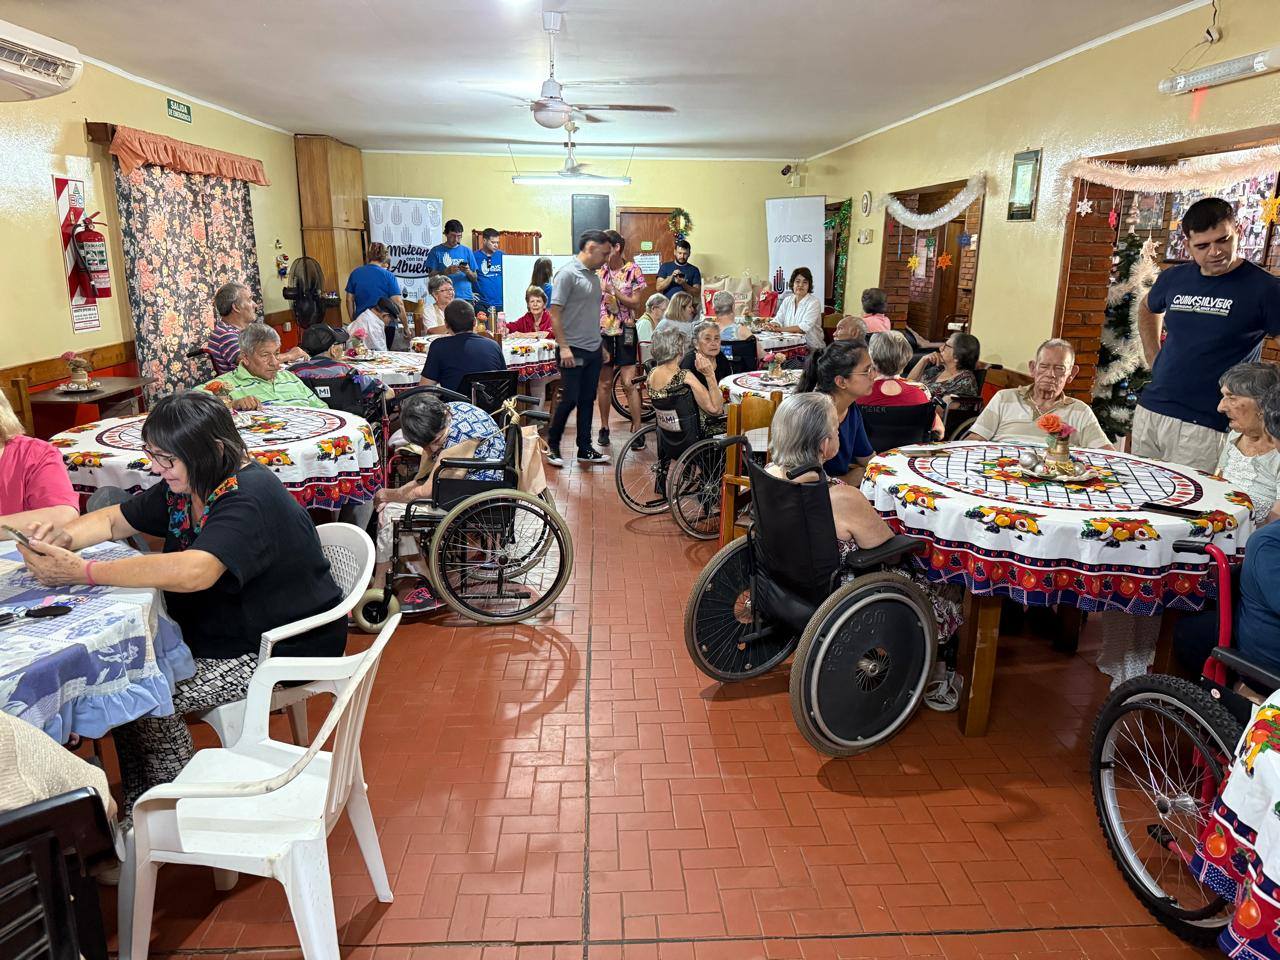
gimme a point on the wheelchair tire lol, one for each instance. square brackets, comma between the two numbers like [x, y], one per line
[960, 429]
[1161, 747]
[500, 556]
[636, 473]
[718, 616]
[372, 611]
[694, 491]
[863, 662]
[618, 399]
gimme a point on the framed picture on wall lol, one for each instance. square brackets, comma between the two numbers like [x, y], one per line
[1024, 185]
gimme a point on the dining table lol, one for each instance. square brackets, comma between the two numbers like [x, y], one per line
[325, 458]
[532, 359]
[399, 370]
[1104, 542]
[760, 383]
[114, 657]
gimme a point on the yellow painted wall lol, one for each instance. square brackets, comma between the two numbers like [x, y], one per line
[725, 199]
[46, 137]
[1100, 101]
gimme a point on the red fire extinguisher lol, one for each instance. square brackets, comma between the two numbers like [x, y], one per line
[91, 256]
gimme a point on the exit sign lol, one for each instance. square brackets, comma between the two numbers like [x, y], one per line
[179, 110]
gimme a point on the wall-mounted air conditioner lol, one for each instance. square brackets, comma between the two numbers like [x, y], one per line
[34, 66]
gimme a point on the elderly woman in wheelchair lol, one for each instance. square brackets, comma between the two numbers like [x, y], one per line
[489, 549]
[675, 463]
[818, 574]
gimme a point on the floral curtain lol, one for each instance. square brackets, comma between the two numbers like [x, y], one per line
[184, 235]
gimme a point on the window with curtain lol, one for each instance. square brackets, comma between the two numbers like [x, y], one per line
[184, 235]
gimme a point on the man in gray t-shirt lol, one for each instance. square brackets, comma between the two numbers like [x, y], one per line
[575, 322]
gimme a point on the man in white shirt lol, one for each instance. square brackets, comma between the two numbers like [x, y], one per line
[1012, 413]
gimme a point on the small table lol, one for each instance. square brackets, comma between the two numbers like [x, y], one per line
[324, 458]
[115, 657]
[108, 388]
[399, 370]
[758, 383]
[531, 359]
[1086, 544]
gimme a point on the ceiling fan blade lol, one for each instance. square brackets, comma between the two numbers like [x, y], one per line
[592, 118]
[628, 107]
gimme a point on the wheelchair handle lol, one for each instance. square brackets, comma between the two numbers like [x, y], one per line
[196, 352]
[724, 443]
[1190, 546]
[539, 415]
[522, 398]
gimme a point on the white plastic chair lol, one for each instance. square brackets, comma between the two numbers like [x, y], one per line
[351, 558]
[264, 807]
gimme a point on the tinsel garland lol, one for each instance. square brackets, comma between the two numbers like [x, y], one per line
[840, 223]
[975, 187]
[1196, 173]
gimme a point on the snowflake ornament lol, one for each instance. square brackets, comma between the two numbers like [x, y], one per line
[1084, 207]
[1149, 248]
[1271, 210]
[1113, 218]
[913, 262]
[944, 261]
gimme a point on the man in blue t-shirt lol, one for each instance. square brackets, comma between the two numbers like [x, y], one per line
[488, 266]
[374, 281]
[451, 259]
[451, 358]
[681, 276]
[1216, 310]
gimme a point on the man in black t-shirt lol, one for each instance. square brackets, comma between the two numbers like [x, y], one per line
[681, 276]
[1215, 312]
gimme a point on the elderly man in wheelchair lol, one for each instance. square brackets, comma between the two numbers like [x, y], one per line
[820, 574]
[491, 545]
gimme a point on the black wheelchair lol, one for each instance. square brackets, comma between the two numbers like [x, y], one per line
[494, 553]
[864, 650]
[670, 465]
[618, 399]
[1161, 748]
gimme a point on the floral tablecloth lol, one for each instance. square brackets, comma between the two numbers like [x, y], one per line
[758, 383]
[785, 342]
[1089, 544]
[1238, 853]
[324, 458]
[113, 659]
[531, 359]
[397, 369]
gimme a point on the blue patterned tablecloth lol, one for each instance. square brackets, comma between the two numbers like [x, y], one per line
[113, 659]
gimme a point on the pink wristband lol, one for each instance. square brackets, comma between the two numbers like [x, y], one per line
[88, 573]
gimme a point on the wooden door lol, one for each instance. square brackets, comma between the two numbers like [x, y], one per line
[524, 242]
[946, 283]
[648, 225]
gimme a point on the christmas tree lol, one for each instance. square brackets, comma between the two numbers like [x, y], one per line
[1122, 370]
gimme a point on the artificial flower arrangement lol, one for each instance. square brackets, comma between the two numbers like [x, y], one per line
[774, 363]
[1058, 457]
[79, 368]
[220, 390]
[358, 346]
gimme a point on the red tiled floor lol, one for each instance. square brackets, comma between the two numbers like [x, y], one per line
[502, 763]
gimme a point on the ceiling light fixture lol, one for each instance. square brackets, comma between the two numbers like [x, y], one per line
[1254, 64]
[557, 179]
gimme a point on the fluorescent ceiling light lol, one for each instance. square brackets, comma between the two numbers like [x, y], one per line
[556, 179]
[1255, 63]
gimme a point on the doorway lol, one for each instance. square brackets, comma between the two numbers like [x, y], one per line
[650, 241]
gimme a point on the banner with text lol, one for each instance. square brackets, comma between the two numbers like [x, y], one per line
[410, 227]
[796, 239]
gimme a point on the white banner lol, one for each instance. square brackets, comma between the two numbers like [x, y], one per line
[796, 239]
[410, 227]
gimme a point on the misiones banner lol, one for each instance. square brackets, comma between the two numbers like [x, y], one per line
[410, 227]
[796, 239]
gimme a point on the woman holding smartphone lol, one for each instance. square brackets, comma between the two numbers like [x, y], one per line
[34, 486]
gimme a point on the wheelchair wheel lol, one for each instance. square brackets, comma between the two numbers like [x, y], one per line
[1161, 746]
[717, 621]
[618, 399]
[500, 556]
[694, 489]
[374, 610]
[862, 664]
[640, 475]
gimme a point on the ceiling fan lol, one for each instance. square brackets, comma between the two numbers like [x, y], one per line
[572, 171]
[552, 111]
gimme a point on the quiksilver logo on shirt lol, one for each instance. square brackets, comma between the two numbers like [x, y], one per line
[1216, 306]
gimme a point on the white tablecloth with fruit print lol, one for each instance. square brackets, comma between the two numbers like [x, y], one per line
[1089, 544]
[324, 458]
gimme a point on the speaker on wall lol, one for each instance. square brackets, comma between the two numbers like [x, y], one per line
[590, 212]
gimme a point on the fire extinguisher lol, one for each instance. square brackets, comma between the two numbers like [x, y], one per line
[91, 256]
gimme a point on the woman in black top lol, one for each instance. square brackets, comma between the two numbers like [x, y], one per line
[240, 557]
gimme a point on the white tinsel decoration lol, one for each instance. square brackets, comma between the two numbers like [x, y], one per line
[1128, 350]
[973, 189]
[1196, 173]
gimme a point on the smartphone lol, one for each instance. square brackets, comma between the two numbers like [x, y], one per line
[17, 534]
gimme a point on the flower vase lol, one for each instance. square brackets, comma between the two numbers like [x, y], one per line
[1057, 458]
[775, 369]
[80, 375]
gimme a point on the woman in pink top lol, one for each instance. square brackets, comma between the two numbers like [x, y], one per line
[874, 304]
[537, 321]
[890, 351]
[34, 486]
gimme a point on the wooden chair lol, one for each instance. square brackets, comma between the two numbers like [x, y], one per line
[20, 400]
[752, 413]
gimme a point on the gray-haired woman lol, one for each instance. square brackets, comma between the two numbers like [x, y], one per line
[442, 294]
[654, 308]
[1249, 459]
[891, 352]
[723, 306]
[669, 379]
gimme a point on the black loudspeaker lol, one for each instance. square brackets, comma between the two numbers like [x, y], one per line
[590, 212]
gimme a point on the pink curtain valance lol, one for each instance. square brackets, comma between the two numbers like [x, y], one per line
[136, 147]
